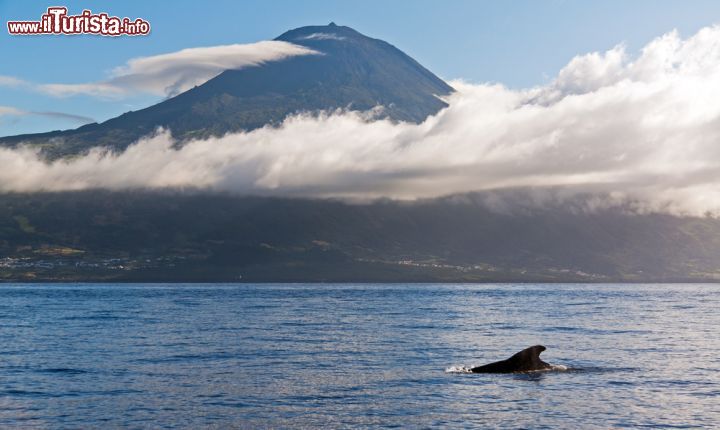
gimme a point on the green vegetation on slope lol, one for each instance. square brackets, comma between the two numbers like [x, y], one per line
[183, 237]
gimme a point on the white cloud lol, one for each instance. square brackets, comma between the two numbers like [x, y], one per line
[644, 130]
[321, 36]
[95, 89]
[11, 81]
[173, 73]
[11, 111]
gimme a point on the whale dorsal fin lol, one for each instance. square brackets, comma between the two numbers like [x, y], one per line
[524, 361]
[528, 359]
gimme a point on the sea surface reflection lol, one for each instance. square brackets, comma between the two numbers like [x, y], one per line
[324, 355]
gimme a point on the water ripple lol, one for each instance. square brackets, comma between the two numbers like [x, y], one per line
[368, 355]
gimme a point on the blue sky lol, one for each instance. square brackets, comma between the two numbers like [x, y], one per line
[518, 43]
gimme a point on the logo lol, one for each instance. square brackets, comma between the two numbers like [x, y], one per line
[57, 21]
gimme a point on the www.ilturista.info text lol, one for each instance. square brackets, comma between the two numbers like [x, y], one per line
[57, 21]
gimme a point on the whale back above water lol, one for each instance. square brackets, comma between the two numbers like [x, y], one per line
[527, 360]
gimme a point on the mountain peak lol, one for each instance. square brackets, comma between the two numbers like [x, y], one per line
[354, 72]
[330, 32]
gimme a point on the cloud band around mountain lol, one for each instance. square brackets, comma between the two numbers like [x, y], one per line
[645, 129]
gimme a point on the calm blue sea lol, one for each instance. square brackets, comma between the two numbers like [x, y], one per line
[336, 356]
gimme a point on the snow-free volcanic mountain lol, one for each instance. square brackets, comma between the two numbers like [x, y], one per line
[351, 71]
[174, 235]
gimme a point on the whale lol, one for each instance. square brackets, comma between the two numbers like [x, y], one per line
[527, 360]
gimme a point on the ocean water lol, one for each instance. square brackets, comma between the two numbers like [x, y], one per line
[357, 356]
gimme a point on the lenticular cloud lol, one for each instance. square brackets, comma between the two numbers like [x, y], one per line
[175, 72]
[644, 128]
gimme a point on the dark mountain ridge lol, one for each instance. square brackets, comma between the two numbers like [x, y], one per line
[170, 236]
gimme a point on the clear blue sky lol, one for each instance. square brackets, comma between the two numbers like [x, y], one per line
[517, 43]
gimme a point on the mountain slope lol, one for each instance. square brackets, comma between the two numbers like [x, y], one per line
[354, 72]
[201, 237]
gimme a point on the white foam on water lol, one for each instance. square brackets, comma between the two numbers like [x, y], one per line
[464, 369]
[458, 369]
